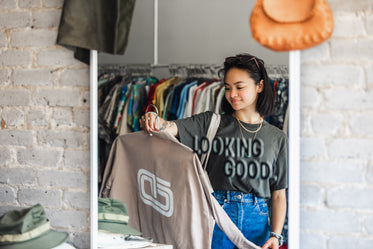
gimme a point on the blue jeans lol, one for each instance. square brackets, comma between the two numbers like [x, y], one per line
[249, 213]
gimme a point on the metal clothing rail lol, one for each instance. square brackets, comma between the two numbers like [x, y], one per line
[203, 70]
[277, 71]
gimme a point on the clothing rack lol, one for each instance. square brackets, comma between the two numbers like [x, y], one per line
[124, 92]
[150, 74]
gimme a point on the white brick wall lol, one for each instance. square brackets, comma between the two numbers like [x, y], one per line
[337, 135]
[44, 114]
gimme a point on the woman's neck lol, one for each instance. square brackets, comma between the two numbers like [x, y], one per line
[248, 117]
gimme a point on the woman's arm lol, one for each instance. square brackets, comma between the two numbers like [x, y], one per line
[278, 207]
[150, 122]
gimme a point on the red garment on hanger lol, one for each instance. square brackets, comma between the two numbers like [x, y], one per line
[151, 93]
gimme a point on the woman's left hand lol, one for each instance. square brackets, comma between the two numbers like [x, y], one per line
[272, 243]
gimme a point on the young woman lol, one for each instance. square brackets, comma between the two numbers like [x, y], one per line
[249, 170]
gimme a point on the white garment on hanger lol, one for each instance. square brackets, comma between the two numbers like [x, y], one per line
[189, 102]
[203, 103]
[219, 99]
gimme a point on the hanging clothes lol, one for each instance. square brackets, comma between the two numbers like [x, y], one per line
[183, 98]
[172, 113]
[95, 24]
[106, 135]
[176, 98]
[159, 99]
[280, 118]
[205, 102]
[281, 95]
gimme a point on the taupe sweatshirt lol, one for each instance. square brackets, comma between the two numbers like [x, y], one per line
[166, 192]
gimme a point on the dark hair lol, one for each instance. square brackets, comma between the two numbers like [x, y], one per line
[256, 70]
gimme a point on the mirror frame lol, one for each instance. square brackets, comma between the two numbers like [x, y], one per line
[93, 77]
[294, 149]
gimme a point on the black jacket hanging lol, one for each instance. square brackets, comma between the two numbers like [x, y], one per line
[95, 24]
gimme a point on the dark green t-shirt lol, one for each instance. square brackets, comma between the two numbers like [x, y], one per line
[237, 162]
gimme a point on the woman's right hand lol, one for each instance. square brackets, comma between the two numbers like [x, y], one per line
[148, 122]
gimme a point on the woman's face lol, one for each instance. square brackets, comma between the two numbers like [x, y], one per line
[241, 90]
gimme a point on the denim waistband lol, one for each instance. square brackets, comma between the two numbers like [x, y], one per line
[230, 196]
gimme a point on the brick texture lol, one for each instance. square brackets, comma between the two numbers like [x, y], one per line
[44, 115]
[337, 139]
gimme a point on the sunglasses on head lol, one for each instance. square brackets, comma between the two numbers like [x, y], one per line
[242, 59]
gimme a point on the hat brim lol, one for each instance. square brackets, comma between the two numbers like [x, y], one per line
[117, 228]
[47, 240]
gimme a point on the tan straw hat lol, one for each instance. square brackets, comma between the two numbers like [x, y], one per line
[285, 25]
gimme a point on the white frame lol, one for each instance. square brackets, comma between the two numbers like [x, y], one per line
[93, 71]
[294, 148]
[294, 141]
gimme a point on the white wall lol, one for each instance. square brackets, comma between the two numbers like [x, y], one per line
[193, 31]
